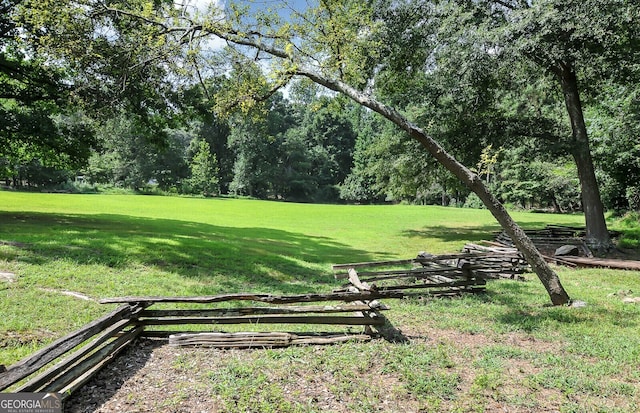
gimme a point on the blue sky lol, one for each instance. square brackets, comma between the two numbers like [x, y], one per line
[298, 5]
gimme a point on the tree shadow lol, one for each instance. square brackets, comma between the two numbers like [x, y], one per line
[531, 318]
[106, 383]
[457, 234]
[238, 257]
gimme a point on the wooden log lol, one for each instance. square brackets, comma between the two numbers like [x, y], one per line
[243, 311]
[604, 263]
[450, 292]
[479, 281]
[253, 340]
[95, 364]
[461, 283]
[244, 340]
[355, 281]
[362, 286]
[270, 319]
[165, 334]
[559, 261]
[381, 275]
[417, 260]
[371, 264]
[267, 298]
[492, 249]
[435, 277]
[298, 340]
[444, 257]
[39, 359]
[37, 382]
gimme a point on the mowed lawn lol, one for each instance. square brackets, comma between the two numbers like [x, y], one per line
[464, 350]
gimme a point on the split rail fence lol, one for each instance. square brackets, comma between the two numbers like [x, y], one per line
[68, 363]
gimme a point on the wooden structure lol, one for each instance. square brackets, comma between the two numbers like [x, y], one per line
[435, 275]
[69, 362]
[66, 364]
[110, 335]
[552, 237]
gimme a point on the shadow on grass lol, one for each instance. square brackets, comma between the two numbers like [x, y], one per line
[243, 256]
[457, 234]
[520, 313]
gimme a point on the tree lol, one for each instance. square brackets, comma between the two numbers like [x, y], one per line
[195, 103]
[540, 182]
[614, 123]
[323, 143]
[256, 139]
[204, 170]
[530, 53]
[128, 157]
[579, 42]
[39, 123]
[335, 45]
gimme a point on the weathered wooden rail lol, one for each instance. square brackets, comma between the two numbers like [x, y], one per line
[111, 333]
[552, 237]
[66, 364]
[434, 275]
[69, 362]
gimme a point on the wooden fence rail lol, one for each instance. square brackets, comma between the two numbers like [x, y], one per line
[43, 357]
[69, 362]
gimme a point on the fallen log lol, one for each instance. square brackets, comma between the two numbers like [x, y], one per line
[604, 263]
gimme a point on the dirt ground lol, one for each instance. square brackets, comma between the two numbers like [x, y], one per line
[151, 377]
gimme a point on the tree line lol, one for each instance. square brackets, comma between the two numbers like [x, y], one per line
[498, 93]
[313, 147]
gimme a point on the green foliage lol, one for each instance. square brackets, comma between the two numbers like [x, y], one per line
[473, 201]
[298, 152]
[204, 171]
[614, 127]
[539, 183]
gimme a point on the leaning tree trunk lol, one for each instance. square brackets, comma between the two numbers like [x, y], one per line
[597, 232]
[546, 275]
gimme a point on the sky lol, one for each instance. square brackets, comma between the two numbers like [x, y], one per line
[298, 5]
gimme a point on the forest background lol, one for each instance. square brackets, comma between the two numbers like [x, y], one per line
[89, 104]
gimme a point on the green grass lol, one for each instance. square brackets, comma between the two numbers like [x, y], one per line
[505, 349]
[630, 225]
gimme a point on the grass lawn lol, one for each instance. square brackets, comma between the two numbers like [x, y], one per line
[506, 349]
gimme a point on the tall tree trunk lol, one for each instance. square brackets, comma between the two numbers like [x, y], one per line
[547, 276]
[597, 232]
